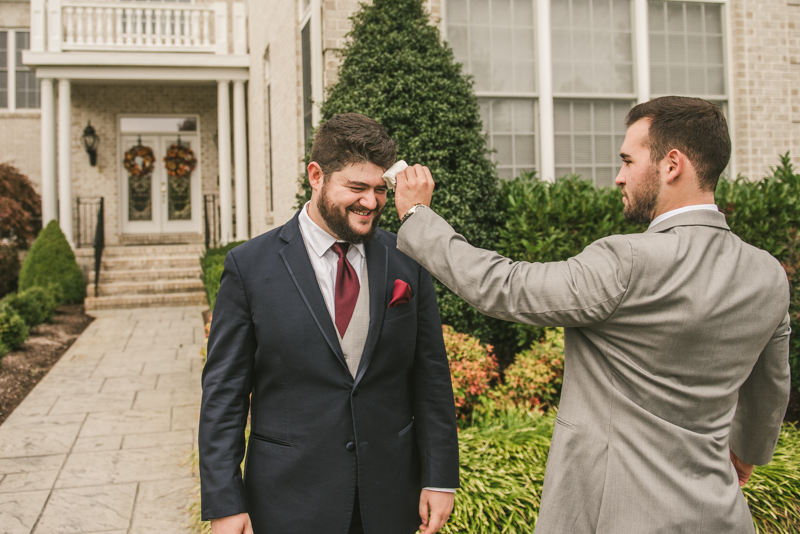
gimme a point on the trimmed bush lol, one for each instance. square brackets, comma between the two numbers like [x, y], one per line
[35, 305]
[51, 261]
[212, 264]
[3, 350]
[13, 330]
[534, 380]
[473, 367]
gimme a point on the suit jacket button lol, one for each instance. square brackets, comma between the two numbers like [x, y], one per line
[350, 446]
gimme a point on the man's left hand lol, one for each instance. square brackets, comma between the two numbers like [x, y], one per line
[414, 186]
[743, 470]
[434, 509]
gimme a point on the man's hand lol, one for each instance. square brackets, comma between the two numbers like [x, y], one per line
[414, 186]
[742, 469]
[434, 506]
[233, 524]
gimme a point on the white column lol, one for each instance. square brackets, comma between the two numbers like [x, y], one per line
[641, 30]
[64, 160]
[547, 165]
[49, 187]
[224, 142]
[240, 161]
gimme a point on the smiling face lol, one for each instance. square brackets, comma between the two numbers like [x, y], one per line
[348, 203]
[639, 178]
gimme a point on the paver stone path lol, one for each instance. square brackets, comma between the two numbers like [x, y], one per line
[100, 444]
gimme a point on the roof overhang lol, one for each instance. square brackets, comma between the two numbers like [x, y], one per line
[138, 67]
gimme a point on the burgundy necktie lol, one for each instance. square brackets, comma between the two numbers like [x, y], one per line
[347, 287]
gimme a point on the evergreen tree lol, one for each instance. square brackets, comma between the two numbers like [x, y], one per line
[396, 71]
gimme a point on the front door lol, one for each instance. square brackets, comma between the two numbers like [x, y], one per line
[163, 200]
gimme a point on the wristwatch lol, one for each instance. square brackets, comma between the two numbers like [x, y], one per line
[415, 208]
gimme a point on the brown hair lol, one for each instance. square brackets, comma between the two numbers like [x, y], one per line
[694, 126]
[352, 138]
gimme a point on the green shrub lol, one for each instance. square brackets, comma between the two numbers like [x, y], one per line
[35, 305]
[3, 350]
[534, 379]
[502, 459]
[212, 263]
[473, 367]
[51, 261]
[13, 330]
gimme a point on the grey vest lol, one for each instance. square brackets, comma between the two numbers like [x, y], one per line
[356, 334]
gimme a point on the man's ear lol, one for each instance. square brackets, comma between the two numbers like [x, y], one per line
[315, 176]
[673, 164]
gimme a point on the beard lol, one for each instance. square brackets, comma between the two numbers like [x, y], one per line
[338, 221]
[642, 205]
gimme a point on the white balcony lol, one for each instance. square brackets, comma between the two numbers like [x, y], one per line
[75, 26]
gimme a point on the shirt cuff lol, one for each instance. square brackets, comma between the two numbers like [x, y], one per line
[445, 490]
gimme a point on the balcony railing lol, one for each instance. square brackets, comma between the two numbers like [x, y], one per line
[66, 25]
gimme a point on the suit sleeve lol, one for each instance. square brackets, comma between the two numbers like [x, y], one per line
[434, 408]
[763, 399]
[582, 291]
[227, 381]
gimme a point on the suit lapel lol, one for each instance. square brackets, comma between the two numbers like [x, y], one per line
[295, 257]
[377, 256]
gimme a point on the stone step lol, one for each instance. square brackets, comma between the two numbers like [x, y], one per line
[145, 301]
[145, 275]
[154, 250]
[157, 287]
[129, 263]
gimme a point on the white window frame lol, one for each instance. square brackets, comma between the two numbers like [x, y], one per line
[545, 136]
[11, 67]
[312, 15]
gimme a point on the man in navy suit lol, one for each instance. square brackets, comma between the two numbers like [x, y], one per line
[331, 340]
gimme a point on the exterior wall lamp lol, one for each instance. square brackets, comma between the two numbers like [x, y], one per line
[90, 142]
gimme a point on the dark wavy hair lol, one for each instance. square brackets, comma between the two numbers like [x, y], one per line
[350, 138]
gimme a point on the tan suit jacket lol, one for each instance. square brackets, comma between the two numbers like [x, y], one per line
[676, 349]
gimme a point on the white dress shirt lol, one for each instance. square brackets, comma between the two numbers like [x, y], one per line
[325, 262]
[672, 213]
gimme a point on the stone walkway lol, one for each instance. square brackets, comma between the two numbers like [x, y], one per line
[100, 445]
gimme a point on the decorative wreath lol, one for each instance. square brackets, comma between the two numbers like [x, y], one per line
[180, 160]
[139, 160]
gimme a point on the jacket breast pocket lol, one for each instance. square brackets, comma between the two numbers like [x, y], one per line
[401, 310]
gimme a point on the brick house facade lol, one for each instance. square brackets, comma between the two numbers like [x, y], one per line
[552, 94]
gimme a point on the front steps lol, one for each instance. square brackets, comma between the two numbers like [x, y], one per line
[144, 276]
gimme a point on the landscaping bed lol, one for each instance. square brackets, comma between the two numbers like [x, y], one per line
[21, 369]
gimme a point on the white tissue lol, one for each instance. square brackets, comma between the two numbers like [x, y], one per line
[388, 176]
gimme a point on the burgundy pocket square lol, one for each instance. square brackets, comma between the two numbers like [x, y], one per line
[400, 294]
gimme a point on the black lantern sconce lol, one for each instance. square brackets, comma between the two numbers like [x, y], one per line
[90, 142]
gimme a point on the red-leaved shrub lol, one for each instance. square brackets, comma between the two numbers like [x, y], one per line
[473, 367]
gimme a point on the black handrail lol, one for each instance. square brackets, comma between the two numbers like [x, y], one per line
[99, 244]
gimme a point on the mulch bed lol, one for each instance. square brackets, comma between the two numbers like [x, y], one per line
[21, 370]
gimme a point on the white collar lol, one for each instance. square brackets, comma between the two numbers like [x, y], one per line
[319, 239]
[672, 213]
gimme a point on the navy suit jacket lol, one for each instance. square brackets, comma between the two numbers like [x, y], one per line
[317, 433]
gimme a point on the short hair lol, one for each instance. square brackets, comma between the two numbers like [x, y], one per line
[694, 126]
[351, 138]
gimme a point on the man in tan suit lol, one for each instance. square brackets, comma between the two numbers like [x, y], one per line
[676, 374]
